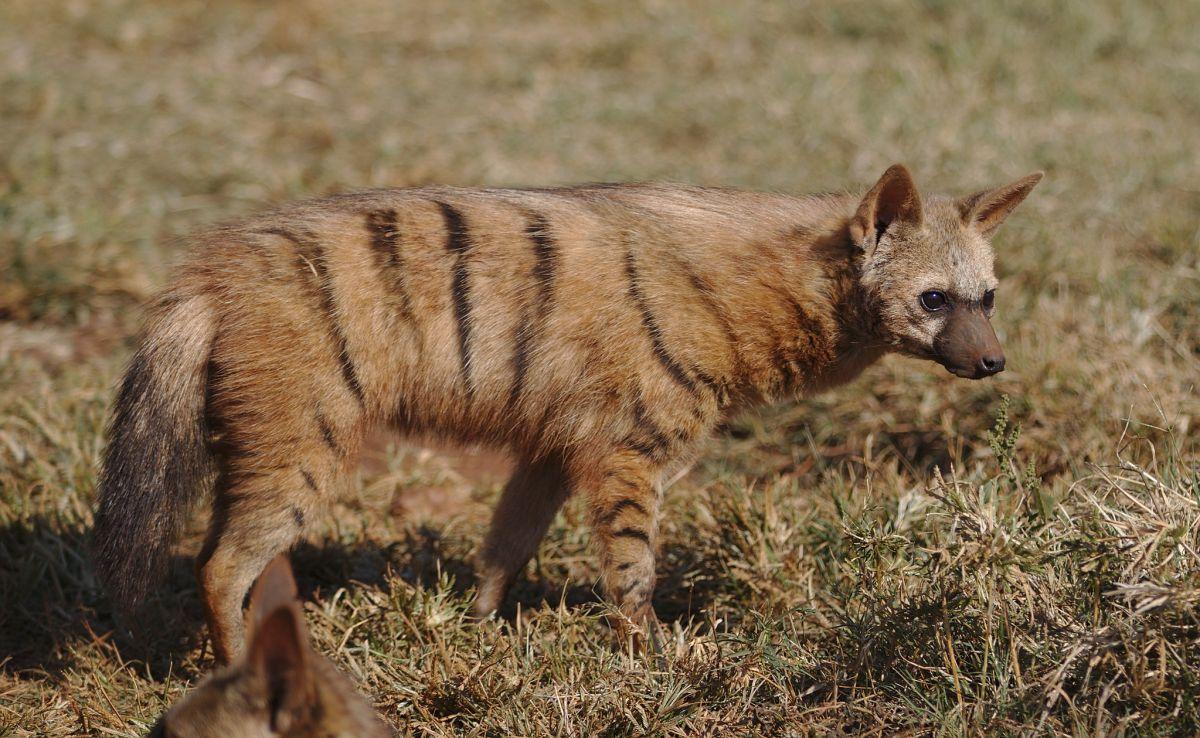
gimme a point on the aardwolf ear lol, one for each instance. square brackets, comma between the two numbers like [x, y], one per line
[894, 198]
[987, 209]
[278, 652]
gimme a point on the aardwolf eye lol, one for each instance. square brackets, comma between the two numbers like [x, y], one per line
[933, 300]
[989, 300]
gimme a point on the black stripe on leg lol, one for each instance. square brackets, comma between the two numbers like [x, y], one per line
[308, 479]
[624, 481]
[650, 323]
[644, 449]
[616, 509]
[637, 533]
[544, 270]
[385, 242]
[311, 263]
[628, 588]
[458, 242]
[327, 434]
[655, 442]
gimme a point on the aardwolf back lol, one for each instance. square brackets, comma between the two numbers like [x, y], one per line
[599, 333]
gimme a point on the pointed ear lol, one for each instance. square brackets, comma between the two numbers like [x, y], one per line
[275, 588]
[278, 649]
[987, 209]
[278, 654]
[894, 198]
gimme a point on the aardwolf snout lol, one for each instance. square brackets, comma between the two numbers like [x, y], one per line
[968, 346]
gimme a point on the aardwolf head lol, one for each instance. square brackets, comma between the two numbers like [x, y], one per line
[927, 267]
[280, 687]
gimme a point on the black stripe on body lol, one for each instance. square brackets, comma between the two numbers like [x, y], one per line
[705, 291]
[403, 415]
[458, 242]
[786, 366]
[810, 341]
[707, 380]
[385, 242]
[652, 328]
[311, 262]
[816, 337]
[544, 270]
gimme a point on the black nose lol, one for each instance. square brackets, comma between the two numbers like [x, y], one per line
[990, 365]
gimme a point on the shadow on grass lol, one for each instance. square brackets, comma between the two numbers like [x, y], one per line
[419, 557]
[422, 555]
[792, 451]
[54, 609]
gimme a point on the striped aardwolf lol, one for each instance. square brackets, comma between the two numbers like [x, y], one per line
[599, 333]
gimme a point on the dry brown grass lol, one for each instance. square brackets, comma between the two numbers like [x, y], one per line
[871, 560]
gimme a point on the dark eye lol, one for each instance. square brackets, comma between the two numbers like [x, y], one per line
[933, 300]
[989, 300]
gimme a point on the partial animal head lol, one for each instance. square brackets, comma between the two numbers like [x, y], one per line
[280, 687]
[927, 268]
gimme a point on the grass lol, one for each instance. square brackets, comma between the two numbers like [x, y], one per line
[892, 557]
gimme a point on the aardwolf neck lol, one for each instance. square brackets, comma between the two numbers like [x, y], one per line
[804, 318]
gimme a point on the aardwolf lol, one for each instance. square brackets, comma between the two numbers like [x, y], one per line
[599, 333]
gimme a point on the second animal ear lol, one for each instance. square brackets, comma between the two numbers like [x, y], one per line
[275, 588]
[278, 655]
[277, 651]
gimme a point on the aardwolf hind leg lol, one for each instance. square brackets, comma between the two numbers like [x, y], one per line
[257, 517]
[527, 507]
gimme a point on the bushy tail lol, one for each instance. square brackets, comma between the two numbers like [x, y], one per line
[158, 459]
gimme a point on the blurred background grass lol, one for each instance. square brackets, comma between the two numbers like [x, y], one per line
[125, 123]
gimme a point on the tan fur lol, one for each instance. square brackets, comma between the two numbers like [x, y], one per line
[280, 687]
[600, 333]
